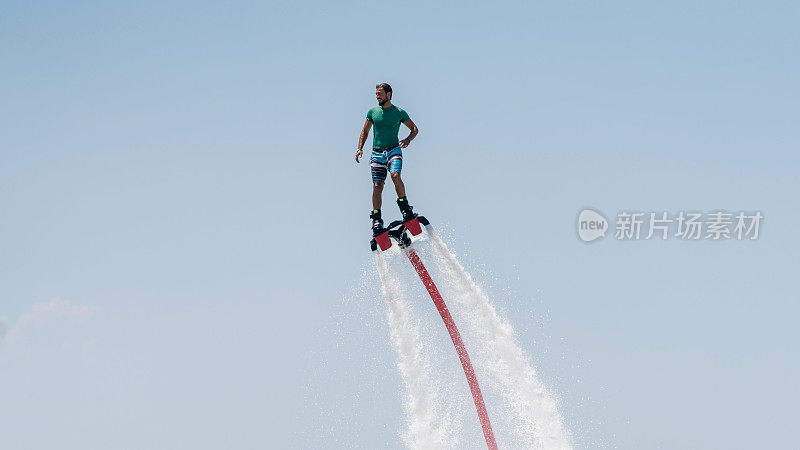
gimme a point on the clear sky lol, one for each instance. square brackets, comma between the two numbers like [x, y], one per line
[183, 227]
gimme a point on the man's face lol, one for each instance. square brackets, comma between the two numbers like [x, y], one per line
[381, 96]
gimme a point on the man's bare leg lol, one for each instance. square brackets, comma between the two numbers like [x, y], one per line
[377, 191]
[398, 185]
[377, 222]
[402, 201]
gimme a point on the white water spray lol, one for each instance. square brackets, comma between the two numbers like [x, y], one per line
[423, 417]
[535, 413]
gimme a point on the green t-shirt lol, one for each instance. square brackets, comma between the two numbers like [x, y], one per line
[386, 124]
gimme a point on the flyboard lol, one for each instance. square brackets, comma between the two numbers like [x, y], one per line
[398, 231]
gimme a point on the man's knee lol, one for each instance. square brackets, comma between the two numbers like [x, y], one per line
[377, 186]
[395, 176]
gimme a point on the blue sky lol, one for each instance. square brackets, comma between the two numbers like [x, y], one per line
[180, 176]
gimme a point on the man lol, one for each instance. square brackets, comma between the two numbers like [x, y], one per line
[387, 153]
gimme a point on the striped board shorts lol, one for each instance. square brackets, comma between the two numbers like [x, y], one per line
[383, 160]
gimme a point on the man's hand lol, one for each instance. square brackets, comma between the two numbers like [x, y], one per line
[362, 139]
[414, 130]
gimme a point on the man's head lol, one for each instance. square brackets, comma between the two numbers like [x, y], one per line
[383, 92]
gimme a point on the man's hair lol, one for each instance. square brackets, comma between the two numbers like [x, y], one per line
[386, 88]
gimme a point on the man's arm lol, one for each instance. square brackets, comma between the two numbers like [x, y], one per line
[414, 130]
[362, 139]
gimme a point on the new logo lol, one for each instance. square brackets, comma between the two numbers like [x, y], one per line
[591, 225]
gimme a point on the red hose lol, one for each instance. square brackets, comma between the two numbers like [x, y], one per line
[456, 337]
